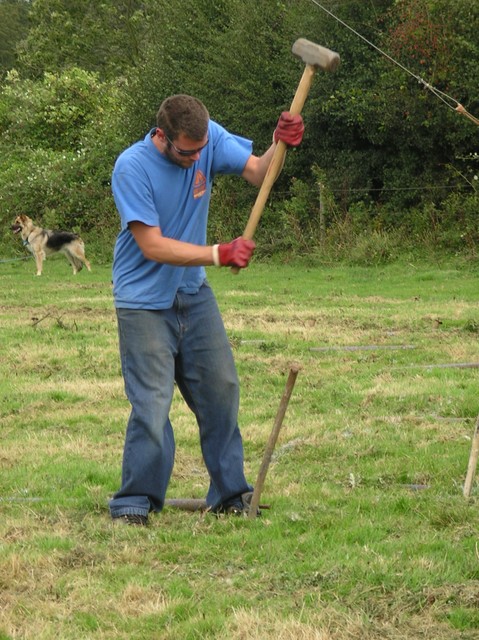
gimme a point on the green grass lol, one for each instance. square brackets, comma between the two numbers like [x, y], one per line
[368, 536]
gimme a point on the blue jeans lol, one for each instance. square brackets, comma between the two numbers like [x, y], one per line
[187, 344]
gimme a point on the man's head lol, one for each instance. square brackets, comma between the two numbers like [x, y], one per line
[182, 122]
[183, 114]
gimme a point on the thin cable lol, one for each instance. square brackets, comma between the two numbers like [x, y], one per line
[452, 103]
[371, 44]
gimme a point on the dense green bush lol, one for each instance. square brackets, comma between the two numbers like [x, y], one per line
[379, 152]
[59, 139]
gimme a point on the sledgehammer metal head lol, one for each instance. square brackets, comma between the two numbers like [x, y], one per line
[316, 55]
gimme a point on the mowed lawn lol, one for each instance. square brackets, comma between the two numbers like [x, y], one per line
[368, 534]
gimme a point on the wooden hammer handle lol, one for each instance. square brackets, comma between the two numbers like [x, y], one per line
[277, 160]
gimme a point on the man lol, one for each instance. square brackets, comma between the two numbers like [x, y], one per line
[170, 329]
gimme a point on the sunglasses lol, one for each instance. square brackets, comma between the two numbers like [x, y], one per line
[186, 152]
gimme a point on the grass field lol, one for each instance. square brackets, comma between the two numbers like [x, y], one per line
[368, 536]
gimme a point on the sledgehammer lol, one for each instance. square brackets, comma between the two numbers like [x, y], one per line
[315, 57]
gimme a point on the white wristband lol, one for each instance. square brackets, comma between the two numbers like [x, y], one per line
[216, 255]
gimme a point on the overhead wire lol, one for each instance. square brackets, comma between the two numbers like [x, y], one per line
[450, 102]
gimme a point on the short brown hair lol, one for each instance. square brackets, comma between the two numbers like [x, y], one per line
[183, 114]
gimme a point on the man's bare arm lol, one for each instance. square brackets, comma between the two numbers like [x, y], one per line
[256, 167]
[155, 246]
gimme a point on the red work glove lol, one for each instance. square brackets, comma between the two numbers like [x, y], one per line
[289, 129]
[233, 254]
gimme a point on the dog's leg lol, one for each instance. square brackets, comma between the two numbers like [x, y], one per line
[76, 256]
[78, 251]
[72, 259]
[39, 258]
[80, 257]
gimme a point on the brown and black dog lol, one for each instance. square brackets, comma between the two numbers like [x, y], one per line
[42, 242]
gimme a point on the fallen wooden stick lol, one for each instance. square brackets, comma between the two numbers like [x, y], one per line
[194, 504]
[187, 504]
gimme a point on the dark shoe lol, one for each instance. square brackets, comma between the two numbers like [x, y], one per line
[234, 510]
[134, 519]
[238, 506]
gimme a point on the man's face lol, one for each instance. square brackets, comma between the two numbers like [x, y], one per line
[184, 151]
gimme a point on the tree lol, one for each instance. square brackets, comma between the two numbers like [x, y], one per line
[59, 140]
[380, 129]
[104, 37]
[13, 28]
[376, 135]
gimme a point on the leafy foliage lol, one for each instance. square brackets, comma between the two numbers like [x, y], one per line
[13, 27]
[103, 37]
[89, 78]
[57, 158]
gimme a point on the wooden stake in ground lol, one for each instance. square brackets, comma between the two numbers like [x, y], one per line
[268, 454]
[471, 468]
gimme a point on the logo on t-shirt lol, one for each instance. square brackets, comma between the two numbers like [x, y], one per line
[199, 188]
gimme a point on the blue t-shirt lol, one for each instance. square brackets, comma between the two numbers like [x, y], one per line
[149, 188]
